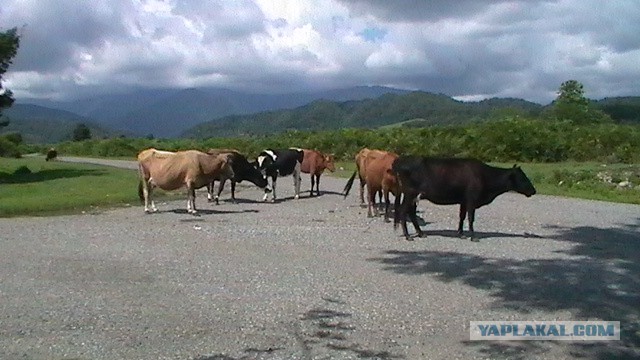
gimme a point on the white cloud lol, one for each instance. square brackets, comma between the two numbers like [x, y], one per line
[469, 49]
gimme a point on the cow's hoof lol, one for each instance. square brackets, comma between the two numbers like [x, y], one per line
[408, 238]
[273, 200]
[296, 197]
[474, 240]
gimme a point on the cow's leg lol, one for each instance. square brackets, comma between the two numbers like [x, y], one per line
[402, 214]
[386, 205]
[274, 180]
[233, 191]
[362, 184]
[472, 214]
[414, 216]
[371, 195]
[313, 182]
[146, 193]
[297, 180]
[210, 191]
[318, 184]
[220, 188]
[463, 215]
[266, 193]
[191, 199]
[147, 190]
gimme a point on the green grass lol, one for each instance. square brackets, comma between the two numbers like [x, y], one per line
[570, 179]
[49, 188]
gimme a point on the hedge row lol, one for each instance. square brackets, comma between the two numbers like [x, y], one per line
[505, 140]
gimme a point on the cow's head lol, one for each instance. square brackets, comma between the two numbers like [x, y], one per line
[252, 173]
[329, 161]
[521, 182]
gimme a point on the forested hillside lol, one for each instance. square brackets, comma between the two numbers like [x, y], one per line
[432, 109]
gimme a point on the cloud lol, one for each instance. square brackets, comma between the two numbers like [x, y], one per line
[467, 48]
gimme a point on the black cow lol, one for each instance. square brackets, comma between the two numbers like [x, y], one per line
[447, 181]
[52, 154]
[242, 169]
[274, 163]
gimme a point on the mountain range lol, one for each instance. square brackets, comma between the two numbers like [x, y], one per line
[206, 112]
[169, 112]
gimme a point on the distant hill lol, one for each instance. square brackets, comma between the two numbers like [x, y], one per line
[169, 112]
[204, 112]
[39, 124]
[430, 109]
[621, 109]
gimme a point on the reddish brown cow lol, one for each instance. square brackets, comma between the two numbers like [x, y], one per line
[361, 157]
[380, 177]
[314, 163]
[374, 170]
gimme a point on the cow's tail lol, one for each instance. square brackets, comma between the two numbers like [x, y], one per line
[140, 184]
[140, 191]
[347, 187]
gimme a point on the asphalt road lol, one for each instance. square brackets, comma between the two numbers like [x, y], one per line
[314, 279]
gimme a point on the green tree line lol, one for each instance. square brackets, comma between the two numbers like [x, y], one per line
[513, 139]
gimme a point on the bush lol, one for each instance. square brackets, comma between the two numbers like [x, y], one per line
[8, 148]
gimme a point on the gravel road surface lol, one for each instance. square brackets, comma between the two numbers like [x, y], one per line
[314, 278]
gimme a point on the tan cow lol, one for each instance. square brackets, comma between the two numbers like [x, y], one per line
[373, 167]
[361, 158]
[170, 171]
[314, 163]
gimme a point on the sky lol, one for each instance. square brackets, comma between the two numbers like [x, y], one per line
[467, 49]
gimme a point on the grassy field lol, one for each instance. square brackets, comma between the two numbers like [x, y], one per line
[31, 186]
[580, 180]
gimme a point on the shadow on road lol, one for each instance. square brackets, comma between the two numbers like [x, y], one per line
[322, 332]
[602, 283]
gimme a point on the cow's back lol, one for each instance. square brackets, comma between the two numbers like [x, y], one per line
[366, 155]
[377, 166]
[443, 180]
[312, 161]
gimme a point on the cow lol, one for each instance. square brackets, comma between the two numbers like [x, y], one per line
[448, 181]
[314, 163]
[170, 171]
[242, 170]
[361, 158]
[282, 162]
[52, 154]
[374, 169]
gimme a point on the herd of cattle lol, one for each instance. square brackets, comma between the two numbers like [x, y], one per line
[469, 183]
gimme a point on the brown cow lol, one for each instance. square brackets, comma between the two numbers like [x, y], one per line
[374, 170]
[361, 157]
[314, 163]
[170, 171]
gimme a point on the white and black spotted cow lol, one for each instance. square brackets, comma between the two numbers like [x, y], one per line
[274, 163]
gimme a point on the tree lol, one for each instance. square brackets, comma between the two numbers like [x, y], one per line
[81, 132]
[9, 42]
[571, 104]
